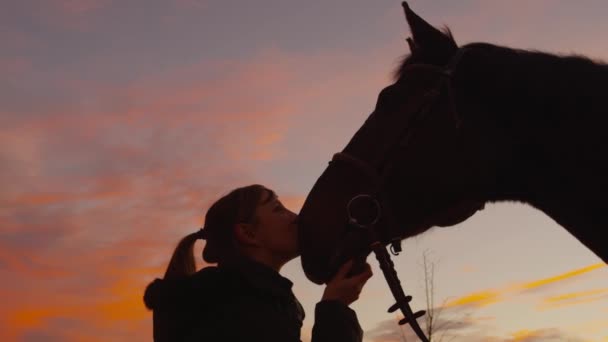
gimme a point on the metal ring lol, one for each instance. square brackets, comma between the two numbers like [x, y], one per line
[353, 220]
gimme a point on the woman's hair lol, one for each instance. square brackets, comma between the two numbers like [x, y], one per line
[238, 206]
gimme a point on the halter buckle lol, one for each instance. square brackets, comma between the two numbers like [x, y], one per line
[353, 220]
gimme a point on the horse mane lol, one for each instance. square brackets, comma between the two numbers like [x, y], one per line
[574, 62]
[555, 86]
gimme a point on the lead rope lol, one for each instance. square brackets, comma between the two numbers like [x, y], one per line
[388, 269]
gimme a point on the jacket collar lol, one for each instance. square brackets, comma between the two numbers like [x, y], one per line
[259, 275]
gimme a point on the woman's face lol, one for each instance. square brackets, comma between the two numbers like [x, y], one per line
[277, 227]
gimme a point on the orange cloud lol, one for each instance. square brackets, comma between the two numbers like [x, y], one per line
[561, 277]
[550, 334]
[469, 269]
[478, 299]
[489, 297]
[99, 314]
[525, 334]
[574, 298]
[115, 301]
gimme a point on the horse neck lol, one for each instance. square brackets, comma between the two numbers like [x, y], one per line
[551, 118]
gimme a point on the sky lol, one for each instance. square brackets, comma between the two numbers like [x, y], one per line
[122, 121]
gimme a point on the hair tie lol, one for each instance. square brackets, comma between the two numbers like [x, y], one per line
[202, 234]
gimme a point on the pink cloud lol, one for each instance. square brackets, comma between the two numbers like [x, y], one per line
[67, 14]
[14, 66]
[192, 4]
[80, 7]
[95, 192]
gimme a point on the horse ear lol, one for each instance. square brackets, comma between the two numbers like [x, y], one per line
[427, 38]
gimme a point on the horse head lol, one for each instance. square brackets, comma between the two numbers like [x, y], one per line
[413, 154]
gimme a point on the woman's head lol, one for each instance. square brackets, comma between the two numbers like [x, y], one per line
[249, 221]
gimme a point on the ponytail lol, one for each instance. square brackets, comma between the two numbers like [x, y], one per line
[182, 262]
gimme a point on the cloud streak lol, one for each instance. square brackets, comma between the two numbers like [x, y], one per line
[574, 298]
[461, 327]
[489, 297]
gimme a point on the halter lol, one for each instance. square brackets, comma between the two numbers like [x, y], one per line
[376, 198]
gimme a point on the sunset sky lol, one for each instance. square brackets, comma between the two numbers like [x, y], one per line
[121, 122]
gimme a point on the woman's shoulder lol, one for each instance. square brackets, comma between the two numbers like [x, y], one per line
[208, 283]
[216, 288]
[213, 275]
[214, 279]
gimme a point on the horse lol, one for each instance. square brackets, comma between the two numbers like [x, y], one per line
[459, 127]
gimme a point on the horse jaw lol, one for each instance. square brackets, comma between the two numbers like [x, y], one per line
[456, 213]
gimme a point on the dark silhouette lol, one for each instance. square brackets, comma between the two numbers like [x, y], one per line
[250, 235]
[459, 127]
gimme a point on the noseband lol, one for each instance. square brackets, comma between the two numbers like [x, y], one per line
[377, 200]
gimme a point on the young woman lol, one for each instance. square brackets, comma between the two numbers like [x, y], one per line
[250, 235]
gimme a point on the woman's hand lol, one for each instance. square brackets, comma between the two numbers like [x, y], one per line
[344, 288]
